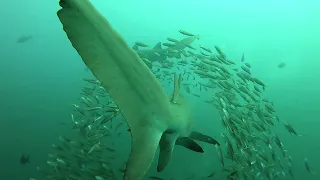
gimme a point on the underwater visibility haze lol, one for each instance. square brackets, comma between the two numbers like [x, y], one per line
[163, 90]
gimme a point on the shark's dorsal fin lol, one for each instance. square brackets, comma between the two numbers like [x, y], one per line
[157, 46]
[176, 88]
[134, 88]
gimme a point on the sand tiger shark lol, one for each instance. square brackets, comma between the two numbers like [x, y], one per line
[159, 54]
[155, 119]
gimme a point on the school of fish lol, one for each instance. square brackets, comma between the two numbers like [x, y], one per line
[249, 148]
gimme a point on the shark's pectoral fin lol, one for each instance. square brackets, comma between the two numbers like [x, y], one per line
[204, 138]
[166, 149]
[145, 142]
[189, 144]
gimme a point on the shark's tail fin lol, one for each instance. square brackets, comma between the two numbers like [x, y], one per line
[176, 88]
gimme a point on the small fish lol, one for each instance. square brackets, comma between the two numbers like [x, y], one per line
[220, 155]
[242, 57]
[206, 49]
[189, 46]
[110, 149]
[306, 164]
[24, 159]
[211, 175]
[191, 53]
[246, 69]
[220, 51]
[186, 33]
[62, 123]
[290, 129]
[155, 177]
[168, 44]
[94, 147]
[282, 65]
[141, 44]
[204, 53]
[24, 39]
[93, 108]
[172, 40]
[248, 65]
[278, 142]
[259, 82]
[291, 173]
[196, 95]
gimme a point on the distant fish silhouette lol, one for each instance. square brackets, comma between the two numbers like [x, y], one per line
[242, 57]
[24, 39]
[282, 65]
[24, 159]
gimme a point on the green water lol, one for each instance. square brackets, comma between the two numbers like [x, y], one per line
[39, 79]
